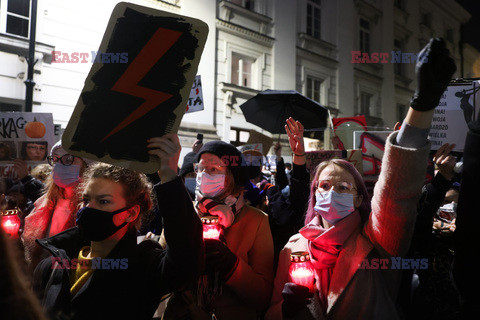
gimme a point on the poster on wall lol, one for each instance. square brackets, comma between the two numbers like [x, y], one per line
[24, 135]
[195, 100]
[127, 102]
[459, 105]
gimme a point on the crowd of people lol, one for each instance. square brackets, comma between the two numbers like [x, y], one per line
[99, 241]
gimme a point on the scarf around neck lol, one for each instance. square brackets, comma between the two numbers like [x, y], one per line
[324, 246]
[225, 211]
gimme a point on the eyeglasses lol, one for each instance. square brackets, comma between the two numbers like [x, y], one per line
[66, 159]
[210, 169]
[340, 187]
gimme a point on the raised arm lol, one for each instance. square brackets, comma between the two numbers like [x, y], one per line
[300, 179]
[391, 223]
[183, 259]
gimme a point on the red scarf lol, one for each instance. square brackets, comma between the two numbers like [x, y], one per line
[324, 246]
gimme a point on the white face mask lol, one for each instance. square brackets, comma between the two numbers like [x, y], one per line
[210, 186]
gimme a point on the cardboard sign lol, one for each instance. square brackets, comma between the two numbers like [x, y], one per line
[195, 101]
[125, 103]
[458, 106]
[24, 135]
[314, 158]
[256, 138]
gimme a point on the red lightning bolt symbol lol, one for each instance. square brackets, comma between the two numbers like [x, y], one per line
[161, 41]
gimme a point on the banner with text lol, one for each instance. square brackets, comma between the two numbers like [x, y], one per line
[458, 106]
[24, 135]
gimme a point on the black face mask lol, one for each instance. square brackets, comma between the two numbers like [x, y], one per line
[97, 225]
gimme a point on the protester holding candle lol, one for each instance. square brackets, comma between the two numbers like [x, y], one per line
[115, 200]
[242, 261]
[340, 229]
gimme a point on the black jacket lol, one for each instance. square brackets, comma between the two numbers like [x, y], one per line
[133, 292]
[467, 244]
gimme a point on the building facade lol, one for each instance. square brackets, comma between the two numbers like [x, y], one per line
[311, 46]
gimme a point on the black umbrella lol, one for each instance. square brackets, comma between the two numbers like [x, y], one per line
[270, 108]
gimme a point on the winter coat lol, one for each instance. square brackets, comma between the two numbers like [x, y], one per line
[356, 292]
[133, 292]
[246, 294]
[465, 270]
[37, 224]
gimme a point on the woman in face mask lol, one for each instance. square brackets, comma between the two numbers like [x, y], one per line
[239, 267]
[357, 254]
[55, 211]
[97, 270]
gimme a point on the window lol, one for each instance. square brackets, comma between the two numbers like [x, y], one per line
[366, 104]
[397, 67]
[313, 88]
[247, 4]
[313, 18]
[400, 4]
[449, 35]
[238, 137]
[364, 35]
[242, 68]
[401, 112]
[10, 107]
[426, 19]
[15, 17]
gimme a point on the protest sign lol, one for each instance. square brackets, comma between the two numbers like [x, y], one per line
[195, 101]
[343, 129]
[458, 106]
[257, 147]
[24, 135]
[314, 158]
[127, 102]
[257, 137]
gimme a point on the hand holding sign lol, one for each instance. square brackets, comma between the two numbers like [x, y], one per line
[434, 70]
[167, 148]
[445, 161]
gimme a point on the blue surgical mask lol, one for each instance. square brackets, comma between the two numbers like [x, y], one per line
[333, 206]
[210, 186]
[65, 176]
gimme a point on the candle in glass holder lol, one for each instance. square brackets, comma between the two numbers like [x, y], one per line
[211, 228]
[301, 270]
[10, 222]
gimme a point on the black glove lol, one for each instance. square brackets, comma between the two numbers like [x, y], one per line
[295, 297]
[434, 71]
[219, 258]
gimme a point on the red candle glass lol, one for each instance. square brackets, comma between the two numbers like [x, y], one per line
[10, 222]
[211, 228]
[301, 270]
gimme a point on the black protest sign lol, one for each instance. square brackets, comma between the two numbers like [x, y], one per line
[126, 101]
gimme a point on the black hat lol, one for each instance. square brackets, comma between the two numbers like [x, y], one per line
[230, 155]
[187, 165]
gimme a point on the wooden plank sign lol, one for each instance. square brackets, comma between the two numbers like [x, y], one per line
[126, 101]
